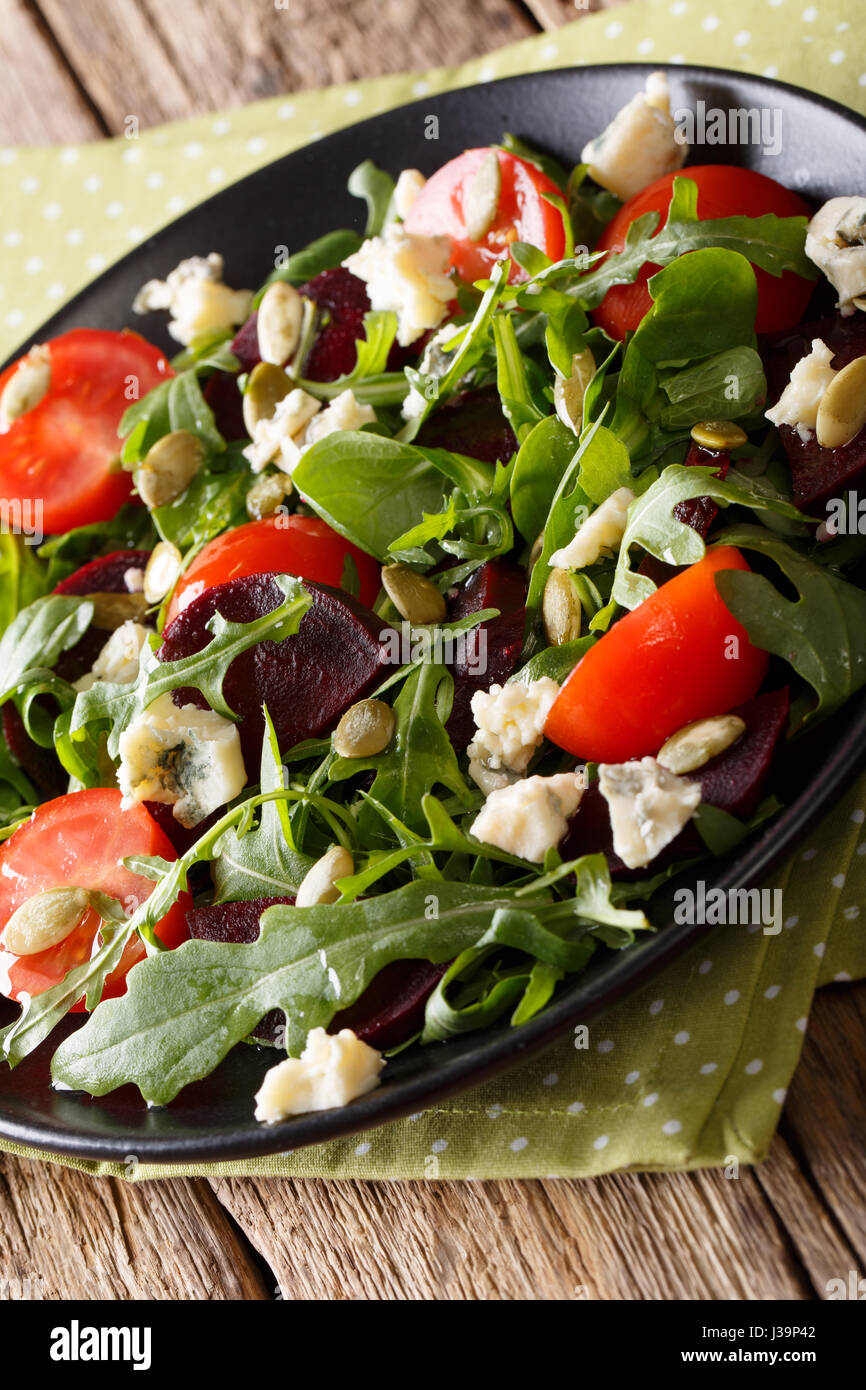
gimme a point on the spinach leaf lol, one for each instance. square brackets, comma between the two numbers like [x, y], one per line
[727, 386]
[176, 404]
[821, 633]
[702, 303]
[542, 460]
[555, 662]
[214, 501]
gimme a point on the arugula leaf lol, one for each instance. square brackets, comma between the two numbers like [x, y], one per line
[377, 189]
[368, 379]
[185, 1009]
[518, 405]
[263, 862]
[776, 244]
[652, 524]
[419, 757]
[589, 210]
[176, 404]
[821, 633]
[119, 705]
[37, 636]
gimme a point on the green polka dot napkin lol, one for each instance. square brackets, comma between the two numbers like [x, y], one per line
[692, 1070]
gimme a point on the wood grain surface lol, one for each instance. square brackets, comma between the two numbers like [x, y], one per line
[73, 70]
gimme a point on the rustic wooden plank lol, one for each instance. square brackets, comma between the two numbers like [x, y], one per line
[808, 1222]
[65, 1235]
[625, 1237]
[135, 58]
[39, 99]
[552, 14]
[825, 1114]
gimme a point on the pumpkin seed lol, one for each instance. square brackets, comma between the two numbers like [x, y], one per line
[25, 387]
[267, 385]
[319, 885]
[163, 569]
[481, 201]
[45, 920]
[693, 745]
[535, 552]
[111, 611]
[569, 391]
[364, 730]
[560, 609]
[414, 597]
[278, 325]
[169, 468]
[718, 435]
[269, 493]
[842, 412]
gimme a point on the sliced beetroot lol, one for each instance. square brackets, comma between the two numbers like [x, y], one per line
[471, 423]
[106, 575]
[307, 681]
[391, 1008]
[701, 512]
[817, 473]
[245, 344]
[496, 584]
[226, 402]
[487, 661]
[733, 782]
[182, 837]
[342, 301]
[37, 763]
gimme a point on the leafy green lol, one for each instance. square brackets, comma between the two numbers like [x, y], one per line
[821, 633]
[376, 187]
[702, 304]
[130, 529]
[557, 663]
[325, 253]
[262, 862]
[726, 386]
[653, 524]
[35, 639]
[176, 404]
[545, 162]
[541, 462]
[214, 501]
[22, 578]
[520, 409]
[368, 378]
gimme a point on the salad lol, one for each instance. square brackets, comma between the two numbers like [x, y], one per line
[371, 665]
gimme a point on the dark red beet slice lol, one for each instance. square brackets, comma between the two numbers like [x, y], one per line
[391, 1008]
[490, 662]
[104, 575]
[342, 301]
[181, 837]
[472, 424]
[818, 474]
[226, 402]
[496, 584]
[733, 781]
[245, 344]
[701, 512]
[307, 681]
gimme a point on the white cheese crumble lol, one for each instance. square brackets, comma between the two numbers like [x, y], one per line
[639, 145]
[133, 578]
[798, 404]
[292, 415]
[510, 723]
[196, 298]
[187, 757]
[406, 274]
[602, 531]
[344, 412]
[406, 190]
[648, 807]
[332, 1070]
[118, 662]
[531, 816]
[836, 243]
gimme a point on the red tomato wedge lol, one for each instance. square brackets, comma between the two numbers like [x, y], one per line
[80, 840]
[64, 452]
[522, 214]
[304, 546]
[679, 656]
[723, 191]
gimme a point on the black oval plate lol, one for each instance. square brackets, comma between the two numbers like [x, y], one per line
[291, 201]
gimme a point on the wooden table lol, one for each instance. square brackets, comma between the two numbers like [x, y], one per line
[73, 70]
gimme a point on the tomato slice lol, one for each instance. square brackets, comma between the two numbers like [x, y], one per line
[679, 656]
[64, 452]
[81, 840]
[304, 546]
[723, 191]
[522, 214]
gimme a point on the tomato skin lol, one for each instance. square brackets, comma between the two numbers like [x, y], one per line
[64, 452]
[723, 191]
[522, 215]
[80, 839]
[304, 546]
[658, 668]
